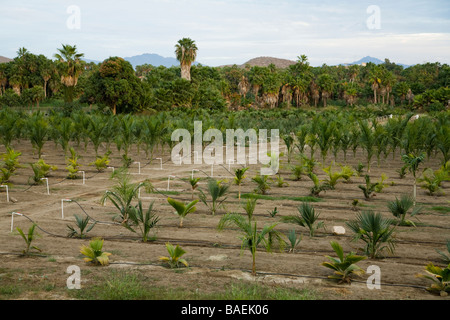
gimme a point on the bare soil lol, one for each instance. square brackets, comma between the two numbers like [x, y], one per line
[215, 258]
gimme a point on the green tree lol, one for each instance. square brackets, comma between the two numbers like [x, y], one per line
[70, 67]
[186, 53]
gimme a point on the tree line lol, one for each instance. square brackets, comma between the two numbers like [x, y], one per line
[116, 86]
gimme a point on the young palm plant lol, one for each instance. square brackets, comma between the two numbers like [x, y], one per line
[412, 162]
[182, 209]
[216, 190]
[82, 225]
[262, 184]
[400, 207]
[29, 238]
[194, 185]
[294, 240]
[174, 259]
[239, 178]
[94, 254]
[445, 257]
[143, 220]
[440, 278]
[344, 265]
[375, 231]
[251, 236]
[307, 218]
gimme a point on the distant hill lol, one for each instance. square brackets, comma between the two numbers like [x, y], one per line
[373, 60]
[266, 61]
[4, 59]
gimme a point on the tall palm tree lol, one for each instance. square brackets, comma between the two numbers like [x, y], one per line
[70, 67]
[186, 52]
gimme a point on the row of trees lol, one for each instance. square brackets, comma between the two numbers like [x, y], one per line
[114, 83]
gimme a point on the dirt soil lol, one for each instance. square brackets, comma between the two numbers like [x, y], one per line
[215, 257]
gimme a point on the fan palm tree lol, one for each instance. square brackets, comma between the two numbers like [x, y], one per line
[186, 52]
[400, 207]
[70, 67]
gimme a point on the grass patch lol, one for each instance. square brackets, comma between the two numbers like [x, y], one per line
[120, 285]
[267, 197]
[441, 209]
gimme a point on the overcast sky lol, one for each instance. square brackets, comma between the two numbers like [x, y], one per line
[231, 31]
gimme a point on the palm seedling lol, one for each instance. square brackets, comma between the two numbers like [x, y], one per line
[239, 178]
[432, 180]
[359, 169]
[94, 254]
[375, 231]
[40, 170]
[412, 162]
[297, 172]
[400, 207]
[307, 217]
[29, 238]
[263, 185]
[38, 132]
[143, 220]
[122, 195]
[273, 212]
[367, 141]
[289, 142]
[82, 225]
[369, 188]
[251, 237]
[216, 190]
[101, 163]
[73, 164]
[250, 206]
[346, 173]
[194, 184]
[174, 259]
[294, 240]
[10, 160]
[440, 278]
[445, 257]
[380, 185]
[332, 177]
[182, 209]
[318, 186]
[402, 171]
[344, 266]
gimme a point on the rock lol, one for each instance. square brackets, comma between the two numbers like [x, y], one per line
[338, 230]
[13, 200]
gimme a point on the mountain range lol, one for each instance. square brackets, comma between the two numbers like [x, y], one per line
[157, 60]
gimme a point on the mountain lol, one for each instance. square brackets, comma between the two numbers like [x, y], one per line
[4, 59]
[264, 62]
[153, 59]
[373, 60]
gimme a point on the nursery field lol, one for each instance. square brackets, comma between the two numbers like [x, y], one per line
[218, 268]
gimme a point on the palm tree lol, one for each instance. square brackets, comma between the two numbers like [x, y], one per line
[239, 177]
[70, 66]
[186, 52]
[412, 162]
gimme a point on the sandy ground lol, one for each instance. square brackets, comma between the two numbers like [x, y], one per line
[215, 257]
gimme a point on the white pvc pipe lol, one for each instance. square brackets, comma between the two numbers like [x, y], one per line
[7, 192]
[168, 182]
[46, 180]
[12, 218]
[62, 206]
[139, 167]
[160, 159]
[111, 168]
[84, 176]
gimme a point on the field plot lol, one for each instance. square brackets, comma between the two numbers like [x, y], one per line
[216, 262]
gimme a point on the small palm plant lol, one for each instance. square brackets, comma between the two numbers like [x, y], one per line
[101, 162]
[412, 162]
[375, 231]
[174, 259]
[29, 238]
[369, 188]
[145, 220]
[194, 185]
[307, 218]
[333, 177]
[94, 254]
[40, 170]
[346, 173]
[294, 240]
[251, 236]
[216, 190]
[344, 266]
[400, 207]
[239, 178]
[318, 186]
[445, 257]
[263, 185]
[73, 164]
[432, 180]
[440, 278]
[182, 209]
[297, 172]
[82, 225]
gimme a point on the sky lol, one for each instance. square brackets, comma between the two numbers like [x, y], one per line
[232, 31]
